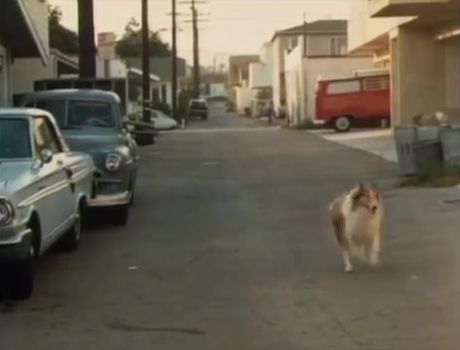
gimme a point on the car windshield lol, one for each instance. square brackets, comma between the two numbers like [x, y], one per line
[56, 108]
[14, 139]
[90, 113]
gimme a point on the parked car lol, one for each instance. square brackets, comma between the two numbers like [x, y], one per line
[161, 121]
[358, 100]
[198, 108]
[44, 190]
[92, 122]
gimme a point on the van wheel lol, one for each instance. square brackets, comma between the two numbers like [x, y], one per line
[342, 124]
[21, 277]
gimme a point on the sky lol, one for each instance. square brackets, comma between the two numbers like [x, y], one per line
[229, 26]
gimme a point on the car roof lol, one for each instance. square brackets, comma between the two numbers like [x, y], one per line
[108, 96]
[22, 112]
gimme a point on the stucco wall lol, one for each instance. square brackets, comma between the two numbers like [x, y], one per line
[421, 74]
[244, 97]
[453, 76]
[26, 70]
[363, 29]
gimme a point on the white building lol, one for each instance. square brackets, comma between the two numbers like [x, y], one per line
[261, 80]
[318, 49]
[25, 71]
[419, 40]
[23, 34]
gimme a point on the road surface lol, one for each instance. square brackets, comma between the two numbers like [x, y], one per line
[229, 247]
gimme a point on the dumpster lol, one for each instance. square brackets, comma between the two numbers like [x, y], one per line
[405, 139]
[450, 141]
[428, 156]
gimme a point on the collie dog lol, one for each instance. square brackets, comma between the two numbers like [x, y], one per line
[357, 218]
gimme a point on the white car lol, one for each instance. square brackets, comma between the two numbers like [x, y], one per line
[44, 192]
[162, 122]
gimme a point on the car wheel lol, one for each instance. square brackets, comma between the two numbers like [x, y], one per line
[71, 239]
[121, 215]
[21, 277]
[342, 124]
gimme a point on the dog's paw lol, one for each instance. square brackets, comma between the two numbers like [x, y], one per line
[348, 269]
[374, 260]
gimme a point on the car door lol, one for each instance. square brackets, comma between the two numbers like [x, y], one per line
[55, 200]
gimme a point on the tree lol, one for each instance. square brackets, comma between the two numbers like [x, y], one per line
[130, 45]
[60, 37]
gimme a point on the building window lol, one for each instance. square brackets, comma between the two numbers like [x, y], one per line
[338, 46]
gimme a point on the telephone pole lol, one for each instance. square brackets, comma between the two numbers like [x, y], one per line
[196, 52]
[174, 60]
[87, 47]
[145, 63]
[196, 45]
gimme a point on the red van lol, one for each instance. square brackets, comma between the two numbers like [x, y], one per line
[357, 100]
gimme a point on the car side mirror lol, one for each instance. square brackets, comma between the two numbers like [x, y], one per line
[46, 156]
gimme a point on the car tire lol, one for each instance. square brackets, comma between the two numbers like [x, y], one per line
[121, 215]
[71, 239]
[342, 124]
[21, 278]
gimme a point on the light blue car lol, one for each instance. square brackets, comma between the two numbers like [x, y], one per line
[92, 122]
[44, 191]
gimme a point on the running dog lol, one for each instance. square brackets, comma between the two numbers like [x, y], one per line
[357, 218]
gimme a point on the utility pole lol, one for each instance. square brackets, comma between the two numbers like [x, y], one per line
[174, 60]
[87, 47]
[145, 63]
[305, 39]
[196, 52]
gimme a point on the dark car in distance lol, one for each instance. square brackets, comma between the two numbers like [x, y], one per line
[198, 108]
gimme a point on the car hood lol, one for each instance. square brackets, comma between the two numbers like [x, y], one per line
[13, 175]
[90, 140]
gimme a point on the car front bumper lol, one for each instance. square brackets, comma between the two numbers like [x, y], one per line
[14, 246]
[110, 200]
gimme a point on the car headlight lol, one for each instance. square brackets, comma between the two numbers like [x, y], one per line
[6, 212]
[113, 162]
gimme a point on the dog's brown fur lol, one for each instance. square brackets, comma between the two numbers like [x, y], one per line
[357, 221]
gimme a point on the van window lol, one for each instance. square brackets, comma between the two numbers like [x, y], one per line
[343, 87]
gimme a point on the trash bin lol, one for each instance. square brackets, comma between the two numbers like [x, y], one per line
[428, 156]
[450, 141]
[405, 139]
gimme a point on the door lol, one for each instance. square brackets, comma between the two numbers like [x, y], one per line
[56, 204]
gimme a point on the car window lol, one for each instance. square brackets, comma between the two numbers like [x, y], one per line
[45, 136]
[90, 113]
[56, 108]
[14, 139]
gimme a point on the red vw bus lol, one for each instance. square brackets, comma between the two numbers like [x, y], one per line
[357, 100]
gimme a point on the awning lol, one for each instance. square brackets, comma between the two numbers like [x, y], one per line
[18, 32]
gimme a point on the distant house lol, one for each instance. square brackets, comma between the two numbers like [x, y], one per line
[23, 34]
[261, 80]
[162, 67]
[310, 51]
[238, 79]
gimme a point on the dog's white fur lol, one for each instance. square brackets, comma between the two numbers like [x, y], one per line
[358, 228]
